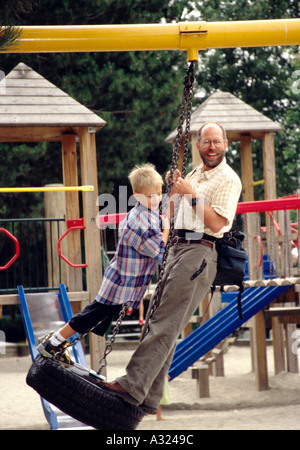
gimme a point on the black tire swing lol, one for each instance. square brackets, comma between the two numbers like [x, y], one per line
[76, 392]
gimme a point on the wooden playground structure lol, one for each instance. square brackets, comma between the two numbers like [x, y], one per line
[72, 128]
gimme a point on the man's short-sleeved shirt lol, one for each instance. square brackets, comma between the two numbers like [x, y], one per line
[219, 188]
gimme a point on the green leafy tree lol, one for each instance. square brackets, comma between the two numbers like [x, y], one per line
[289, 158]
[10, 10]
[137, 93]
[258, 76]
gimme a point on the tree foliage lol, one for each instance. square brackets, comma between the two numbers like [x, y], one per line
[139, 93]
[289, 158]
[10, 10]
[261, 77]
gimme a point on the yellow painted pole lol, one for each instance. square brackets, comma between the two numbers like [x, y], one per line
[256, 183]
[187, 36]
[46, 189]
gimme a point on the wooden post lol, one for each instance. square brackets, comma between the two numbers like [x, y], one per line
[201, 374]
[196, 158]
[269, 166]
[55, 207]
[89, 176]
[290, 328]
[247, 168]
[278, 346]
[259, 331]
[70, 175]
[259, 351]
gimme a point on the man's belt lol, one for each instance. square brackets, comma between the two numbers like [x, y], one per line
[181, 236]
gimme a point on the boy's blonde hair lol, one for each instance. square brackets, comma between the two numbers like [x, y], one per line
[144, 175]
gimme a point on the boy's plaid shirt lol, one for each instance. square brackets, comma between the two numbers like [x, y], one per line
[140, 250]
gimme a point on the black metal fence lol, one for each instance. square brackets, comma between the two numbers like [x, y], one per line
[37, 254]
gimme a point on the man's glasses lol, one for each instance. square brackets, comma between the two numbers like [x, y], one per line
[217, 143]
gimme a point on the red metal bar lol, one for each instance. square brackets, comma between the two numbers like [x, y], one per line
[77, 227]
[274, 223]
[261, 250]
[268, 205]
[290, 202]
[17, 249]
[109, 219]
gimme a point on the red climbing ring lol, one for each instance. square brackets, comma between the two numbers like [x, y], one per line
[17, 249]
[76, 227]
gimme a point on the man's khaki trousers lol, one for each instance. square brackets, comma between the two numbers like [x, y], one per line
[149, 364]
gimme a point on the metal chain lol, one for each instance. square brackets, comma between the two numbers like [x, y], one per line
[186, 110]
[109, 346]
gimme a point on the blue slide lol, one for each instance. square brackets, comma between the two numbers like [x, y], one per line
[42, 313]
[221, 325]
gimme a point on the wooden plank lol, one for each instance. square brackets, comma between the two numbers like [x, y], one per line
[36, 100]
[9, 299]
[237, 105]
[33, 134]
[28, 82]
[31, 92]
[70, 176]
[283, 311]
[23, 74]
[46, 109]
[289, 319]
[12, 299]
[236, 135]
[52, 119]
[239, 118]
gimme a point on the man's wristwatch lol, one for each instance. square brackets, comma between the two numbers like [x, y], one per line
[194, 201]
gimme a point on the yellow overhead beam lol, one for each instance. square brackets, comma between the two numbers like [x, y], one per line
[186, 36]
[10, 190]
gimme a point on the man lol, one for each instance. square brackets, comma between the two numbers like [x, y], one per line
[209, 194]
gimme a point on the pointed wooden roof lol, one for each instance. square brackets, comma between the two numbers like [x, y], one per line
[236, 116]
[29, 100]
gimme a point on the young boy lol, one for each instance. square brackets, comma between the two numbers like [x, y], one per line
[140, 249]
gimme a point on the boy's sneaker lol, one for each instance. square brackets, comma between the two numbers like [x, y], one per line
[58, 353]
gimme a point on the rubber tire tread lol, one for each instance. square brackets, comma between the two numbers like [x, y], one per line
[81, 398]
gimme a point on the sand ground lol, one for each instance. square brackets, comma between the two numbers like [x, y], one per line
[234, 402]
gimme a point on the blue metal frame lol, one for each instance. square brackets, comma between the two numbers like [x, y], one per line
[77, 349]
[67, 315]
[218, 327]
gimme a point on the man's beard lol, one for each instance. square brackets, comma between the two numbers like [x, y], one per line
[212, 163]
